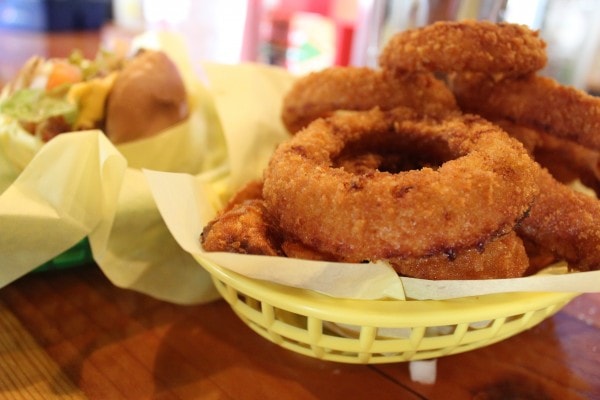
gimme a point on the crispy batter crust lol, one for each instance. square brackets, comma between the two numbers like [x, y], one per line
[484, 186]
[245, 228]
[494, 48]
[533, 100]
[566, 160]
[318, 94]
[503, 257]
[565, 222]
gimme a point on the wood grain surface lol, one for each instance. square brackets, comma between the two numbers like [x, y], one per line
[73, 333]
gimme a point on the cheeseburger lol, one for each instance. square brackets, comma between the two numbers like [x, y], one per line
[127, 98]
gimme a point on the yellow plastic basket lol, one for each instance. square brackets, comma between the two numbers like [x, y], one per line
[379, 331]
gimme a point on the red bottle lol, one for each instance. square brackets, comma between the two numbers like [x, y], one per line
[305, 35]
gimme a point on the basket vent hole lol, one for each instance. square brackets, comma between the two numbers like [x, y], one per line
[525, 318]
[337, 329]
[250, 301]
[443, 330]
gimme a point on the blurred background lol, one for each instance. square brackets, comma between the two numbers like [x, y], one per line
[300, 35]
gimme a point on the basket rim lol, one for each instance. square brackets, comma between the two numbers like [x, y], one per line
[388, 312]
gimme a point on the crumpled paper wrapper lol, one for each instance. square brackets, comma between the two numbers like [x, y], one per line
[80, 185]
[45, 211]
[248, 102]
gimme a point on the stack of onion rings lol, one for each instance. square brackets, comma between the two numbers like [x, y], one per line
[560, 125]
[384, 164]
[473, 166]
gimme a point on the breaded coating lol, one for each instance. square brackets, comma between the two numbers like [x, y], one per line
[483, 46]
[565, 222]
[482, 187]
[503, 257]
[566, 160]
[245, 228]
[535, 101]
[318, 94]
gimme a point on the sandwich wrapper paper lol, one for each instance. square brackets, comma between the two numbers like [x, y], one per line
[248, 102]
[79, 185]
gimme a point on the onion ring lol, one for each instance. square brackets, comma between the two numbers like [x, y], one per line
[503, 257]
[244, 228]
[244, 225]
[535, 101]
[483, 186]
[567, 161]
[483, 46]
[565, 222]
[318, 94]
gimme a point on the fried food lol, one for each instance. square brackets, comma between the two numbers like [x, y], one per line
[480, 185]
[558, 124]
[539, 258]
[467, 187]
[494, 48]
[293, 248]
[564, 222]
[503, 257]
[244, 228]
[244, 225]
[318, 94]
[534, 101]
[567, 161]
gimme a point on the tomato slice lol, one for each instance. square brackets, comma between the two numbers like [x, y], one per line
[63, 73]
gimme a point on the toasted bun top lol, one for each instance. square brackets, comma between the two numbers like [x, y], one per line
[147, 97]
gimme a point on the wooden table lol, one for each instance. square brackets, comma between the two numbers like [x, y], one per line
[73, 334]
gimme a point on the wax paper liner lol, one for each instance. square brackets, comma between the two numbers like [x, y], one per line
[42, 213]
[187, 203]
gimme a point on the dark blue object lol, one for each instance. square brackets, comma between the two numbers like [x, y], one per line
[54, 15]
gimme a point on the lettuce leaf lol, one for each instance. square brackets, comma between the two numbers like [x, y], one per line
[36, 105]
